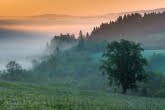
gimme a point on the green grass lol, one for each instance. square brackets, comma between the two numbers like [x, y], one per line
[22, 96]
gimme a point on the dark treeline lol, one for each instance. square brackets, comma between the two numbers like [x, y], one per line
[148, 29]
[82, 43]
[61, 42]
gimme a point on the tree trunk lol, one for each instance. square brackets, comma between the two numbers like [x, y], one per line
[124, 89]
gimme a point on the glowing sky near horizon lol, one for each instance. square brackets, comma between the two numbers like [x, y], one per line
[74, 7]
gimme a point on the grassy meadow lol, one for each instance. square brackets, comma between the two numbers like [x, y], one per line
[22, 96]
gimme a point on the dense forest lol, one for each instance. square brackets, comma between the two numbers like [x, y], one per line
[147, 29]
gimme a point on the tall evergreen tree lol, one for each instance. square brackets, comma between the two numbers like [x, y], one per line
[81, 40]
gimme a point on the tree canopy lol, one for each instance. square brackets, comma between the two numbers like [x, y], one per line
[123, 63]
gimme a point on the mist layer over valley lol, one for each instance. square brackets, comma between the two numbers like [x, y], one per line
[21, 46]
[25, 38]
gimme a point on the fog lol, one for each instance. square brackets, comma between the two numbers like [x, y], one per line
[24, 39]
[21, 45]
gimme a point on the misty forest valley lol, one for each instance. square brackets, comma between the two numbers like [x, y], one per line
[62, 62]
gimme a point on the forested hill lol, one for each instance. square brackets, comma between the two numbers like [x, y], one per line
[148, 29]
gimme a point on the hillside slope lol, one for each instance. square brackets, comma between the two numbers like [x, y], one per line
[148, 29]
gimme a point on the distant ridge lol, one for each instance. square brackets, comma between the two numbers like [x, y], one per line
[138, 11]
[53, 15]
[99, 16]
[121, 13]
[106, 15]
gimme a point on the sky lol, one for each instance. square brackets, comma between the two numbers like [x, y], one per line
[74, 7]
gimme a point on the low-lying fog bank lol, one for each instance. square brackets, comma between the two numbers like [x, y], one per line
[23, 50]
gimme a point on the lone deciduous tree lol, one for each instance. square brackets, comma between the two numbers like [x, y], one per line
[13, 70]
[124, 64]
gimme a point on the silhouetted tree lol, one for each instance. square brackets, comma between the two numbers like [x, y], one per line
[81, 40]
[13, 71]
[124, 64]
[87, 35]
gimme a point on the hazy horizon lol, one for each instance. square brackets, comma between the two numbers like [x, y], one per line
[75, 7]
